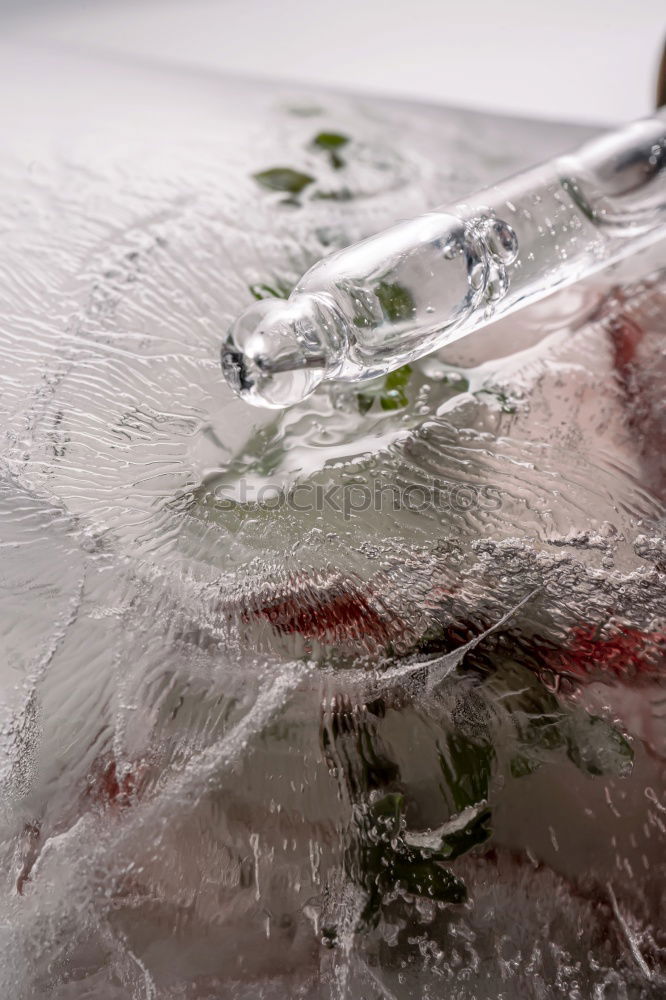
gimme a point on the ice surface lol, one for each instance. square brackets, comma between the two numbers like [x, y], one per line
[364, 699]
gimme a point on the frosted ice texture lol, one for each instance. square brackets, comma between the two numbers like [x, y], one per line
[252, 750]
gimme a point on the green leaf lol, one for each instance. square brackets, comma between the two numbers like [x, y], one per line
[458, 382]
[540, 733]
[538, 719]
[522, 765]
[330, 143]
[391, 394]
[398, 379]
[467, 768]
[283, 179]
[382, 861]
[386, 815]
[396, 301]
[598, 748]
[547, 728]
[394, 396]
[365, 401]
[394, 400]
[475, 832]
[430, 880]
[374, 766]
[279, 290]
[330, 140]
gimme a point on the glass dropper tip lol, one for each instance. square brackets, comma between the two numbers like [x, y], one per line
[278, 351]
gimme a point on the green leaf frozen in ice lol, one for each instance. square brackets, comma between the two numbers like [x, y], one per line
[473, 833]
[428, 879]
[283, 179]
[396, 399]
[385, 815]
[467, 767]
[394, 396]
[390, 393]
[386, 861]
[331, 143]
[598, 748]
[548, 728]
[365, 401]
[330, 140]
[278, 290]
[457, 381]
[396, 301]
[398, 379]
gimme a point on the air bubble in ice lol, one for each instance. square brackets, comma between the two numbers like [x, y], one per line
[501, 241]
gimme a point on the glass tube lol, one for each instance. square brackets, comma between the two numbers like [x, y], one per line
[395, 297]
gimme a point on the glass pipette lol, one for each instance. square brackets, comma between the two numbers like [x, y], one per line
[395, 297]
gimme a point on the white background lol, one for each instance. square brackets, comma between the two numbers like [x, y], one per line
[587, 60]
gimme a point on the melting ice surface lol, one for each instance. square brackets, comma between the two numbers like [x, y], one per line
[364, 699]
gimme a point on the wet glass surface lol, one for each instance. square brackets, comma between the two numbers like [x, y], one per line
[362, 699]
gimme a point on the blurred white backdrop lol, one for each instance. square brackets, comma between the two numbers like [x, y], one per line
[585, 60]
